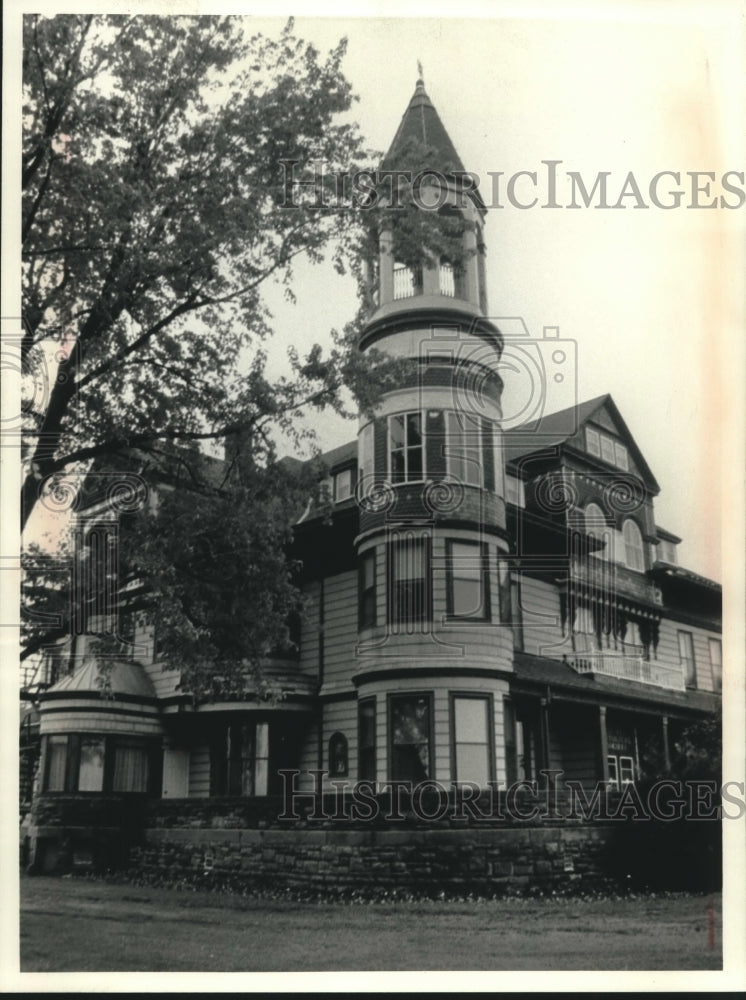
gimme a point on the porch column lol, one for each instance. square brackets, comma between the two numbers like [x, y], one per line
[544, 730]
[666, 747]
[604, 742]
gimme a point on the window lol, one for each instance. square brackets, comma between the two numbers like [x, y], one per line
[367, 590]
[239, 759]
[56, 763]
[633, 550]
[464, 454]
[514, 491]
[716, 663]
[666, 551]
[686, 658]
[342, 485]
[467, 572]
[130, 767]
[338, 756]
[621, 771]
[406, 455]
[91, 768]
[409, 596]
[410, 740]
[366, 456]
[516, 611]
[366, 728]
[620, 456]
[471, 739]
[592, 442]
[607, 449]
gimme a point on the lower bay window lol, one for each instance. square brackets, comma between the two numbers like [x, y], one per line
[410, 737]
[98, 763]
[471, 720]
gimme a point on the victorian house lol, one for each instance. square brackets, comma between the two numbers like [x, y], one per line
[483, 603]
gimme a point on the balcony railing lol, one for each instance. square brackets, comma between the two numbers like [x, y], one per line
[629, 668]
[407, 281]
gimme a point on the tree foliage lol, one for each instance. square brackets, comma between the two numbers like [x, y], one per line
[154, 207]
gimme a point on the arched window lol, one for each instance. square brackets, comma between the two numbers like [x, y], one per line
[338, 756]
[633, 551]
[596, 527]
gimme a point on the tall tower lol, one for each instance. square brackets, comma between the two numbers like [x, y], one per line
[435, 647]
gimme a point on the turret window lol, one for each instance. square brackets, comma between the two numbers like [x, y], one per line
[409, 596]
[468, 580]
[406, 451]
[464, 454]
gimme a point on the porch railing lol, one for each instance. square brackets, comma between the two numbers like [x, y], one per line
[629, 668]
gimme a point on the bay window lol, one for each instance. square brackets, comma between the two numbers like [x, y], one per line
[472, 754]
[409, 576]
[467, 578]
[406, 454]
[410, 737]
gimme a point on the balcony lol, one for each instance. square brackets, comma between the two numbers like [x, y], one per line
[614, 579]
[629, 668]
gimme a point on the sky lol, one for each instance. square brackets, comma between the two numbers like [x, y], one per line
[648, 299]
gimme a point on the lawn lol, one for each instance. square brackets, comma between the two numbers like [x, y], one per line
[76, 925]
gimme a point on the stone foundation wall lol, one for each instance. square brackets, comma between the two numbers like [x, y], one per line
[486, 860]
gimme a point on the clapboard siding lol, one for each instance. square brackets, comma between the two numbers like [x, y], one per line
[668, 650]
[199, 771]
[340, 628]
[540, 610]
[574, 742]
[309, 635]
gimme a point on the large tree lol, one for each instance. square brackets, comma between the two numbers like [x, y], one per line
[154, 206]
[156, 156]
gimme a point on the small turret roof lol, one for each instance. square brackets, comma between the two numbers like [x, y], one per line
[422, 123]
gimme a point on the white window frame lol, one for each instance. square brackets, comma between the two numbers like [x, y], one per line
[592, 442]
[716, 662]
[634, 553]
[461, 442]
[341, 491]
[621, 456]
[405, 449]
[688, 662]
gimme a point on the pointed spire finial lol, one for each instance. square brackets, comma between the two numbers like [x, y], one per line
[420, 74]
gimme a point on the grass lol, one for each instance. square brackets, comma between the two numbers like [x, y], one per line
[82, 925]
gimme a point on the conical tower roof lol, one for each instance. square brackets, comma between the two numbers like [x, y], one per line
[422, 123]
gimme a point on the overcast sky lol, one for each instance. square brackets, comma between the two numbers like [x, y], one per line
[650, 298]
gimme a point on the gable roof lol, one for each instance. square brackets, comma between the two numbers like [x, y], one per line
[559, 427]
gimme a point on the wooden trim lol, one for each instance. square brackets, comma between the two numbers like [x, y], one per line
[603, 742]
[372, 699]
[397, 673]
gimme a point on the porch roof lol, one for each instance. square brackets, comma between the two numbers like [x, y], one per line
[539, 672]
